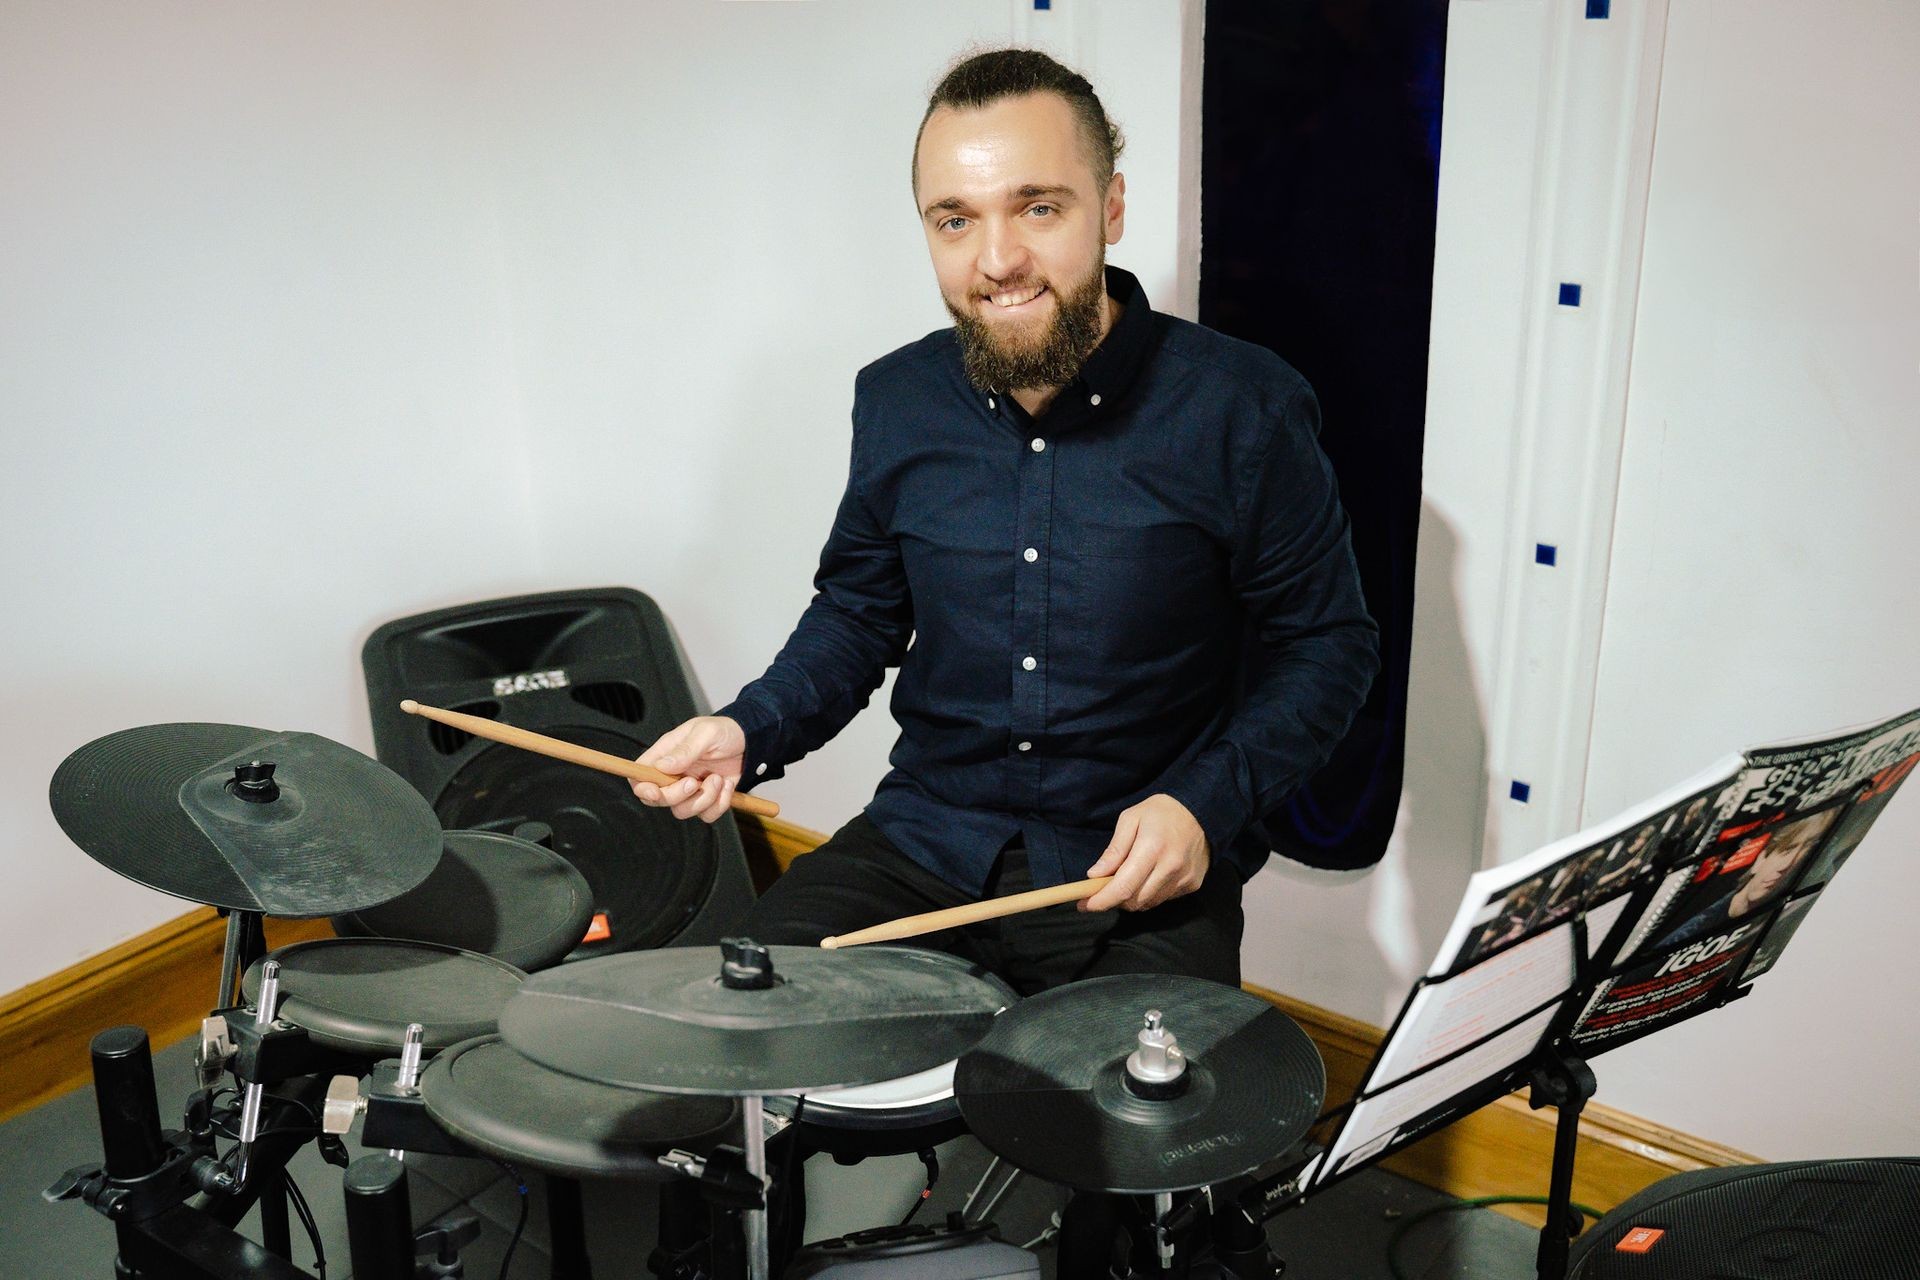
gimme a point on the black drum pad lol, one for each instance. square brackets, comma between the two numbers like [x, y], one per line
[1045, 1089]
[359, 994]
[490, 1097]
[492, 893]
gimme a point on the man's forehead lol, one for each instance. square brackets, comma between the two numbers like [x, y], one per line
[1029, 140]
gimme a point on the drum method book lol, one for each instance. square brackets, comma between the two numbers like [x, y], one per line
[1611, 934]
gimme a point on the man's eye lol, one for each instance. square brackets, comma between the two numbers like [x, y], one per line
[1042, 209]
[951, 224]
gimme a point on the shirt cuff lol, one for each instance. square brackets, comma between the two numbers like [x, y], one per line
[1208, 789]
[761, 725]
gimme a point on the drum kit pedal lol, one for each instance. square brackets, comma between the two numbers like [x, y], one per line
[446, 1020]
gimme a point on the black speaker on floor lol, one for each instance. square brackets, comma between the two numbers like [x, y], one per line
[1810, 1220]
[596, 667]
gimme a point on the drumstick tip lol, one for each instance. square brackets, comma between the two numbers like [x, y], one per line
[831, 944]
[409, 706]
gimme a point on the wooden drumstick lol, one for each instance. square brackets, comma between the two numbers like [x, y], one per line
[974, 912]
[541, 744]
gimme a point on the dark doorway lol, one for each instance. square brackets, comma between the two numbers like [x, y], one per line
[1320, 163]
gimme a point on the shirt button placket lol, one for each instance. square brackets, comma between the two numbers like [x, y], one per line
[1027, 715]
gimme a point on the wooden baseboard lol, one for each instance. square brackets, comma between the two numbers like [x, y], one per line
[163, 980]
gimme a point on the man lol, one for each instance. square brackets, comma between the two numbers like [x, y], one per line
[1104, 549]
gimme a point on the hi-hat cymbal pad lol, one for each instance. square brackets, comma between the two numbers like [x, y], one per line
[287, 824]
[1141, 1083]
[744, 1019]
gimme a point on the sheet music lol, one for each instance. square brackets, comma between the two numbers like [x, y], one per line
[1375, 1121]
[1444, 1017]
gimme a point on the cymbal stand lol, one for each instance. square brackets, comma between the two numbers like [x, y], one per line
[242, 928]
[1162, 1230]
[754, 1220]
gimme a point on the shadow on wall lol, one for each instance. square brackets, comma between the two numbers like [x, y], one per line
[1354, 941]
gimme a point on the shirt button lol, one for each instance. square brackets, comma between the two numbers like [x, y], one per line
[1039, 446]
[1031, 555]
[760, 770]
[991, 404]
[1094, 399]
[1026, 746]
[1028, 663]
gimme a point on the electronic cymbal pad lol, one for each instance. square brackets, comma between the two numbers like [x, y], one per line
[1141, 1084]
[746, 1019]
[286, 824]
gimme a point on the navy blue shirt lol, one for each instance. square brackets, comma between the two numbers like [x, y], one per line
[1148, 588]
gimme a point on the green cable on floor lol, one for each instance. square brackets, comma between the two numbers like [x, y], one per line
[1400, 1232]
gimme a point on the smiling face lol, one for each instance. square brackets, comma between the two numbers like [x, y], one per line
[1017, 224]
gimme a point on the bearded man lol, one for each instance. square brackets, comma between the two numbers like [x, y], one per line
[1105, 551]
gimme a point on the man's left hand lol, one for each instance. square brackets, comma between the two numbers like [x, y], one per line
[1158, 852]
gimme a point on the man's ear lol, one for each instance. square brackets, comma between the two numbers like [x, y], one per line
[1115, 210]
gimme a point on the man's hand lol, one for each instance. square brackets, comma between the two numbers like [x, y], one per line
[709, 752]
[1158, 852]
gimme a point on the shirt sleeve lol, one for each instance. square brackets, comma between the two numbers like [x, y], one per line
[1315, 648]
[857, 626]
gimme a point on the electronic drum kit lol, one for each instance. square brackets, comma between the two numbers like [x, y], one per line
[445, 1019]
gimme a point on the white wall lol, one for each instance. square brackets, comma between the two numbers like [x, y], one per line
[429, 303]
[255, 390]
[1762, 581]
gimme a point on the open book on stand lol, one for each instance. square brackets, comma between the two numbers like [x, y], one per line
[1669, 910]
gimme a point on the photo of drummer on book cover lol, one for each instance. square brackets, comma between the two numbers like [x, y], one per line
[1855, 819]
[1746, 870]
[1532, 906]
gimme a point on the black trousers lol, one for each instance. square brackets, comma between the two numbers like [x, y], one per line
[858, 878]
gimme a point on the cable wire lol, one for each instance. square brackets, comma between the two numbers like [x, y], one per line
[1400, 1232]
[298, 1200]
[520, 1185]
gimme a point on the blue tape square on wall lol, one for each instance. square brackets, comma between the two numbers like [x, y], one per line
[1595, 8]
[1545, 553]
[1519, 791]
[1569, 295]
[1048, 4]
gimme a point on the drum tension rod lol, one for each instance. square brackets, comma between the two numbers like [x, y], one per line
[251, 1099]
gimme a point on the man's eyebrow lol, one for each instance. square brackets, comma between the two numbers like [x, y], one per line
[1032, 191]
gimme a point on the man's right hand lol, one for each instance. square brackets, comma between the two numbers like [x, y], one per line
[708, 752]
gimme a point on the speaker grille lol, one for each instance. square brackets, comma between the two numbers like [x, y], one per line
[648, 871]
[1818, 1220]
[446, 739]
[620, 699]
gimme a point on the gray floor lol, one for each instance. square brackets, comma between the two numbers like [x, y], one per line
[1341, 1234]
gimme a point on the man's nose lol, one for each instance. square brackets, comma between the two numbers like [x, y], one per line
[1003, 254]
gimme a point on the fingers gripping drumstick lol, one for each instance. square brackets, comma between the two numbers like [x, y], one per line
[953, 917]
[541, 744]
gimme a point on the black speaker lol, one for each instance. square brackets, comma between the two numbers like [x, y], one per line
[595, 667]
[1810, 1220]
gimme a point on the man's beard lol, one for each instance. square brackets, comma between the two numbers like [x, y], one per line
[1051, 360]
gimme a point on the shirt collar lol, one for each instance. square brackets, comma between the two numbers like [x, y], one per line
[1110, 370]
[1106, 375]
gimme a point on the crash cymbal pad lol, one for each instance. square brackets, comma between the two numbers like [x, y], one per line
[745, 1019]
[1141, 1083]
[287, 824]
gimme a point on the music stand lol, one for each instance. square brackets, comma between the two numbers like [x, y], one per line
[1666, 912]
